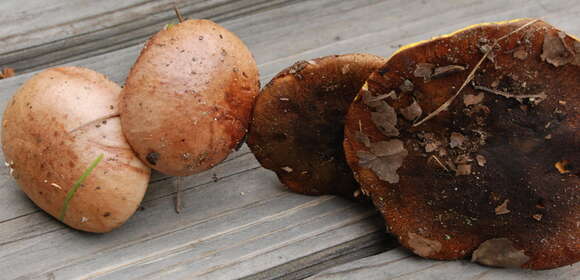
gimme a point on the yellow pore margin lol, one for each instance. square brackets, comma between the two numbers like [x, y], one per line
[405, 47]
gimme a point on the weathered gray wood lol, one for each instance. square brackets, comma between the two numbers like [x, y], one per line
[401, 264]
[68, 31]
[266, 232]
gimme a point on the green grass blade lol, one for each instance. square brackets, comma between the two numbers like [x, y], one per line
[70, 194]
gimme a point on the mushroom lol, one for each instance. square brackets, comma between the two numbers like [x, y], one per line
[63, 143]
[298, 120]
[452, 201]
[187, 100]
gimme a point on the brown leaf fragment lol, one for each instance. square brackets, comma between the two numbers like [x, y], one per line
[471, 99]
[499, 252]
[554, 51]
[422, 246]
[362, 138]
[387, 148]
[384, 159]
[537, 217]
[502, 209]
[385, 119]
[463, 159]
[445, 71]
[365, 158]
[430, 147]
[288, 169]
[463, 169]
[382, 122]
[407, 86]
[424, 70]
[412, 112]
[562, 166]
[481, 160]
[521, 54]
[7, 72]
[456, 140]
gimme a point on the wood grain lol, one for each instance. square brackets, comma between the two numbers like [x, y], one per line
[402, 265]
[245, 224]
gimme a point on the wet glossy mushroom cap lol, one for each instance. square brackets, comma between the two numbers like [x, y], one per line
[298, 121]
[491, 173]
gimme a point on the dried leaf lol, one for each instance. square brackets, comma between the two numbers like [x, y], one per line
[463, 159]
[499, 252]
[537, 217]
[424, 70]
[521, 54]
[554, 51]
[481, 160]
[384, 159]
[362, 138]
[385, 119]
[422, 246]
[463, 169]
[288, 169]
[502, 209]
[430, 147]
[470, 99]
[562, 166]
[387, 148]
[445, 71]
[456, 139]
[365, 158]
[407, 86]
[412, 112]
[7, 73]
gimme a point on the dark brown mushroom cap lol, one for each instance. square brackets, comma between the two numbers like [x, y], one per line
[495, 174]
[298, 122]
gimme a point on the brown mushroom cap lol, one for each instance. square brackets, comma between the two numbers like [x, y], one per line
[187, 101]
[298, 121]
[495, 174]
[57, 123]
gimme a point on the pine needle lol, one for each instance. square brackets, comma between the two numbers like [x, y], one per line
[70, 194]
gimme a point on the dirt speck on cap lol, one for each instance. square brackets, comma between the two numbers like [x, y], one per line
[502, 209]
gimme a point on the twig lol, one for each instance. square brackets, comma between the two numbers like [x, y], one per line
[439, 162]
[471, 74]
[509, 95]
[178, 14]
[178, 183]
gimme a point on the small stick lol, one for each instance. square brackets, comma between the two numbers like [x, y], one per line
[178, 14]
[178, 183]
[509, 95]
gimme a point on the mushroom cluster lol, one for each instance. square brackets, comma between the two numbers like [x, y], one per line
[467, 144]
[80, 146]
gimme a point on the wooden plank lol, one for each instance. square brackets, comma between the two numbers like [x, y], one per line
[278, 37]
[58, 32]
[401, 264]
